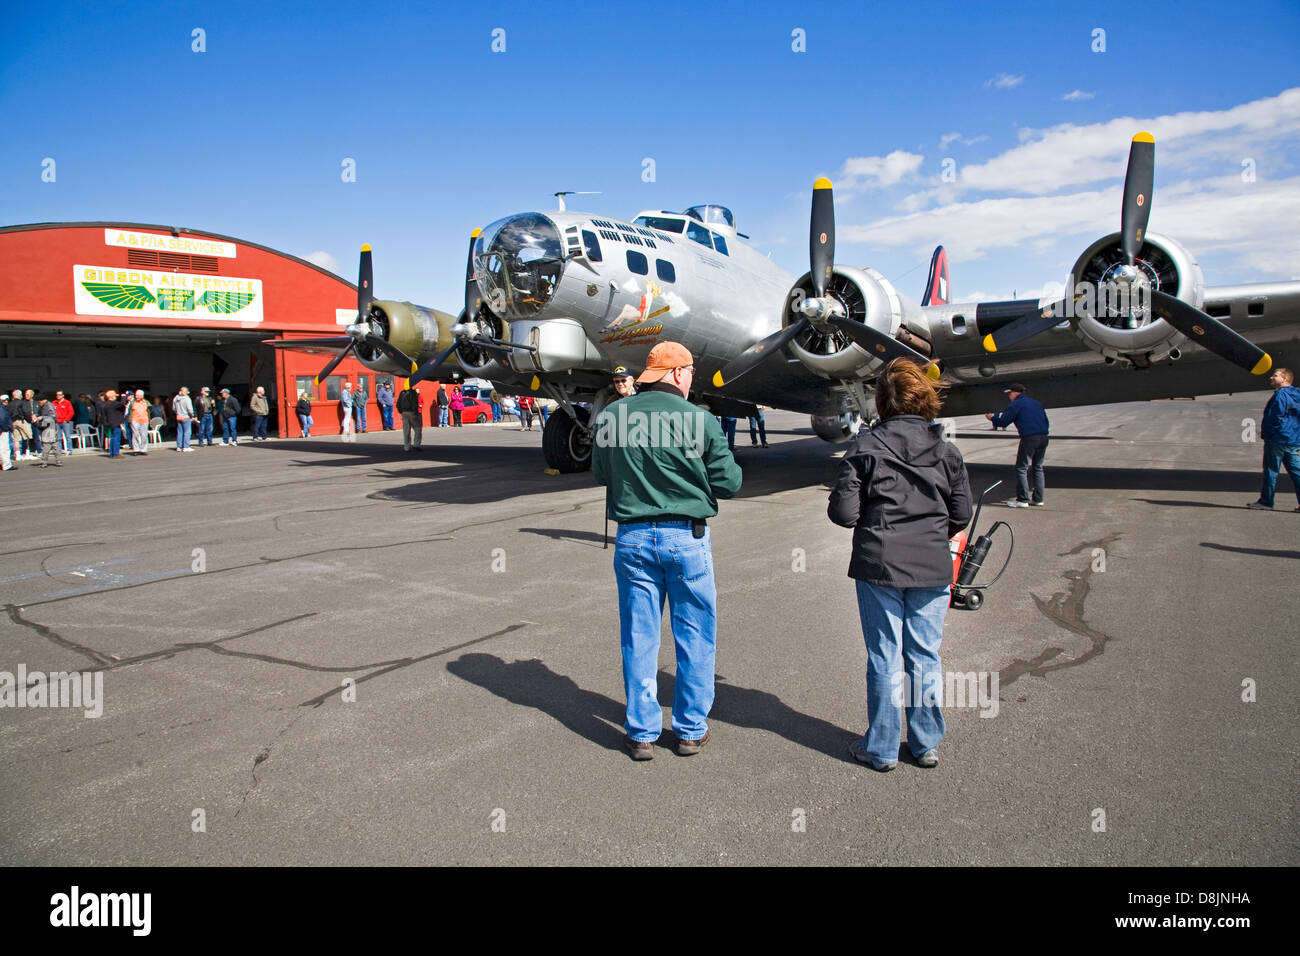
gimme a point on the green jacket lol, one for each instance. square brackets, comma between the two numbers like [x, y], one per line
[660, 455]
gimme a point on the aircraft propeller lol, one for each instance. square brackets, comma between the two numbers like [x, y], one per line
[463, 332]
[359, 331]
[819, 308]
[1201, 328]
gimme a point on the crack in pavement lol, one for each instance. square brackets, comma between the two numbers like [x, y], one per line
[389, 667]
[52, 547]
[264, 754]
[107, 662]
[54, 638]
[1065, 610]
[438, 536]
[262, 757]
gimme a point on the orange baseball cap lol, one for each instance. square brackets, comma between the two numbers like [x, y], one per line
[663, 358]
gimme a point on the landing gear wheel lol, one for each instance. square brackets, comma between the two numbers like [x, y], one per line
[974, 599]
[567, 446]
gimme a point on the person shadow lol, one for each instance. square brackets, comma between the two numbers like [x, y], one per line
[599, 718]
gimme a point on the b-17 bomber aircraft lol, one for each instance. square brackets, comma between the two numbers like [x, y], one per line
[554, 301]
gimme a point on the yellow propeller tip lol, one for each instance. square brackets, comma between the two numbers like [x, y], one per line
[1263, 365]
[414, 368]
[366, 247]
[1144, 138]
[932, 372]
[822, 183]
[535, 384]
[476, 233]
[717, 379]
[989, 345]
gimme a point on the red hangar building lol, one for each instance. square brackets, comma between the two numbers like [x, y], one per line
[86, 306]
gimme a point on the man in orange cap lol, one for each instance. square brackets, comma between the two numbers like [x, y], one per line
[665, 463]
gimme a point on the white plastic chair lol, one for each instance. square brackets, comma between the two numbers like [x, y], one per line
[155, 431]
[86, 437]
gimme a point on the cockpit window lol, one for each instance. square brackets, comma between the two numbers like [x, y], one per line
[698, 233]
[716, 215]
[720, 244]
[662, 222]
[592, 245]
[518, 262]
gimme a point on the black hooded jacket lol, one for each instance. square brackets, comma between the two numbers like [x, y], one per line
[904, 492]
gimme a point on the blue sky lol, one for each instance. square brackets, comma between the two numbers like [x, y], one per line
[248, 137]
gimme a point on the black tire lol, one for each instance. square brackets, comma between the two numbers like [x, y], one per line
[565, 445]
[481, 419]
[974, 600]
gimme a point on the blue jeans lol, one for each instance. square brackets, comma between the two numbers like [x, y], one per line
[903, 628]
[386, 412]
[259, 426]
[65, 436]
[114, 442]
[228, 431]
[544, 412]
[1029, 455]
[654, 562]
[304, 421]
[183, 434]
[729, 429]
[442, 415]
[359, 410]
[205, 429]
[756, 422]
[1275, 456]
[496, 411]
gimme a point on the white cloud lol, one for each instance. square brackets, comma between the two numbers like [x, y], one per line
[1078, 95]
[1032, 208]
[970, 229]
[947, 138]
[1071, 155]
[323, 259]
[1004, 81]
[867, 171]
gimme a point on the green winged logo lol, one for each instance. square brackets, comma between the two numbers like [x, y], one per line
[120, 296]
[226, 302]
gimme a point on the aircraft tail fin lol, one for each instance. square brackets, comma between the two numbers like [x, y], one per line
[936, 288]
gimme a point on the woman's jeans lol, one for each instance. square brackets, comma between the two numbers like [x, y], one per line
[902, 628]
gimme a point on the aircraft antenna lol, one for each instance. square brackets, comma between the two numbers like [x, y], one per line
[574, 192]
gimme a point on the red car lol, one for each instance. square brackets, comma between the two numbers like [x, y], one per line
[476, 411]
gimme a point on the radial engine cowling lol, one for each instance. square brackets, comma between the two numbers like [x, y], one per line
[867, 297]
[1111, 309]
[417, 331]
[477, 361]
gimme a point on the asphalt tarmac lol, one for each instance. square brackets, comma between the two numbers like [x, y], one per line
[323, 653]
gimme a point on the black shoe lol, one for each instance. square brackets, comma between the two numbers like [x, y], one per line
[639, 749]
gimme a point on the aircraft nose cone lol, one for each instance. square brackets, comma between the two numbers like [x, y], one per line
[518, 262]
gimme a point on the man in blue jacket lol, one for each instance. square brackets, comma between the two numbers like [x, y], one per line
[1281, 433]
[1031, 422]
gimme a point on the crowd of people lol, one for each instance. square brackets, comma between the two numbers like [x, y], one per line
[40, 429]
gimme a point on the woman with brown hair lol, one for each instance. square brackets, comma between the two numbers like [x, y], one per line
[904, 492]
